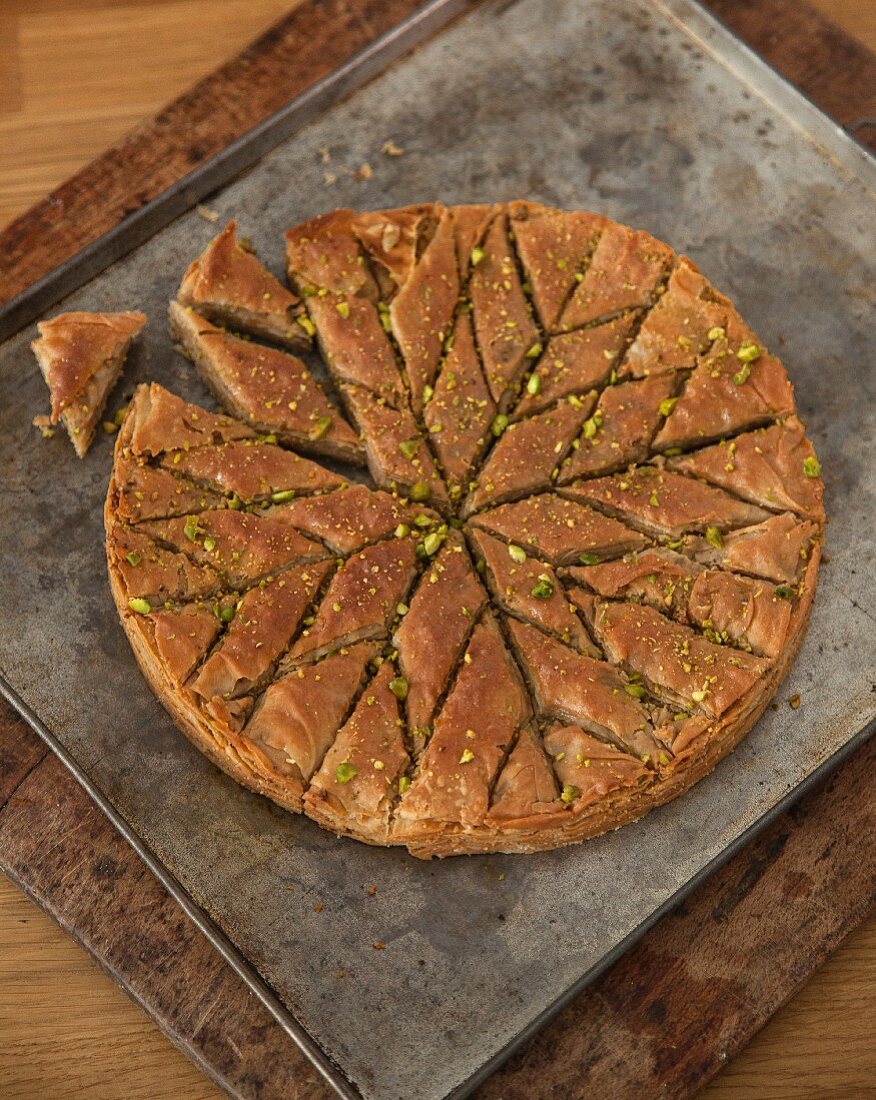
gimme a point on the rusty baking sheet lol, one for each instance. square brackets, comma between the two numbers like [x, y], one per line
[652, 113]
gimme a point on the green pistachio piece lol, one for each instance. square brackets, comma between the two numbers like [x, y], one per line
[141, 606]
[714, 537]
[320, 427]
[345, 772]
[399, 687]
[811, 466]
[500, 423]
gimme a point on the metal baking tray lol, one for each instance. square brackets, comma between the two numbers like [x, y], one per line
[651, 112]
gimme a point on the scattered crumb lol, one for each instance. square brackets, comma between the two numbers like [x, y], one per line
[364, 173]
[44, 423]
[774, 706]
[329, 178]
[206, 213]
[825, 558]
[342, 973]
[325, 154]
[794, 702]
[246, 244]
[421, 962]
[501, 876]
[378, 946]
[390, 149]
[372, 890]
[318, 908]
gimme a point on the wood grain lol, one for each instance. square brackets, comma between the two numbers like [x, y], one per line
[67, 1039]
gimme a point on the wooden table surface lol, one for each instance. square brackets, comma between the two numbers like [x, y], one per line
[74, 76]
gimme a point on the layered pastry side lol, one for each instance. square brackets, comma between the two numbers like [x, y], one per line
[81, 356]
[581, 561]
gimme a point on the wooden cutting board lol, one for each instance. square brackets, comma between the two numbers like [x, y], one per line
[696, 988]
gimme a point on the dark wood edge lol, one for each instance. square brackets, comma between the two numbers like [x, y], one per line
[716, 968]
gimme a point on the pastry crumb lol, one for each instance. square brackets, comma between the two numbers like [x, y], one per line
[206, 213]
[390, 149]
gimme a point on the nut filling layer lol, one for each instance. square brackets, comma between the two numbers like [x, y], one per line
[581, 561]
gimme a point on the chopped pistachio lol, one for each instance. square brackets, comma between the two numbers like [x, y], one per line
[344, 309]
[428, 394]
[409, 447]
[109, 427]
[748, 352]
[570, 793]
[533, 385]
[517, 553]
[403, 784]
[141, 606]
[784, 592]
[588, 559]
[399, 687]
[133, 558]
[667, 406]
[477, 254]
[467, 756]
[401, 609]
[320, 427]
[432, 542]
[423, 520]
[544, 589]
[714, 537]
[402, 531]
[282, 496]
[225, 613]
[306, 324]
[699, 696]
[716, 333]
[191, 529]
[811, 466]
[741, 376]
[420, 491]
[590, 426]
[209, 544]
[500, 423]
[345, 772]
[636, 690]
[535, 350]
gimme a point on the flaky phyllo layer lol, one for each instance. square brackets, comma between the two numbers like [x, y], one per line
[581, 560]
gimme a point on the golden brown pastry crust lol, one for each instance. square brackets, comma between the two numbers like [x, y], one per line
[81, 356]
[536, 647]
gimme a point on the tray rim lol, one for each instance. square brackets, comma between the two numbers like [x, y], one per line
[720, 43]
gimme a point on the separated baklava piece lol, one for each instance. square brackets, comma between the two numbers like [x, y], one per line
[81, 356]
[227, 284]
